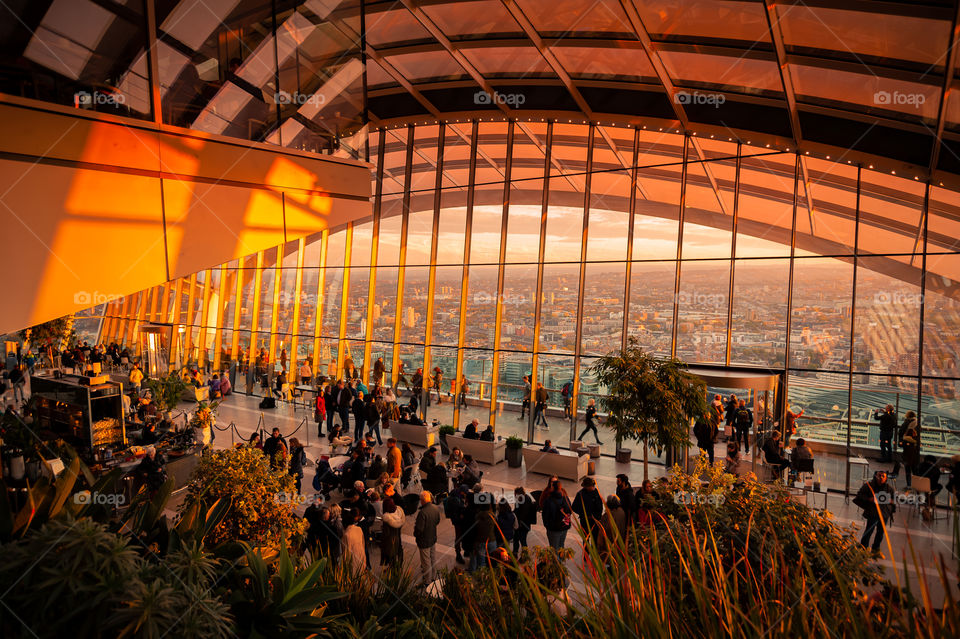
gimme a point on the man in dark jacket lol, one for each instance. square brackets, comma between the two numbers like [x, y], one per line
[526, 512]
[588, 505]
[888, 424]
[275, 448]
[344, 398]
[372, 417]
[625, 493]
[742, 421]
[425, 532]
[706, 434]
[876, 497]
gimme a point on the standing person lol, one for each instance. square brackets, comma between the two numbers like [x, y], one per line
[507, 524]
[409, 458]
[425, 533]
[320, 409]
[283, 360]
[330, 404]
[910, 443]
[344, 398]
[706, 434]
[526, 512]
[354, 542]
[716, 410]
[402, 376]
[525, 404]
[791, 428]
[372, 414]
[588, 504]
[888, 424]
[275, 448]
[455, 509]
[540, 409]
[417, 381]
[557, 512]
[614, 523]
[877, 500]
[298, 459]
[731, 411]
[306, 373]
[731, 463]
[391, 548]
[464, 389]
[625, 494]
[742, 421]
[136, 377]
[567, 393]
[590, 417]
[378, 370]
[437, 383]
[394, 462]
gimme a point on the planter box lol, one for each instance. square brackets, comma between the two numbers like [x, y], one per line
[485, 452]
[624, 455]
[564, 464]
[425, 436]
[514, 457]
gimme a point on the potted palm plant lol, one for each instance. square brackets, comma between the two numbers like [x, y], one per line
[166, 392]
[649, 401]
[514, 451]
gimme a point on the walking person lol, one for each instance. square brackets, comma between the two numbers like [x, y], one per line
[910, 445]
[566, 391]
[330, 403]
[373, 419]
[540, 409]
[464, 389]
[425, 533]
[876, 497]
[320, 410]
[590, 417]
[359, 416]
[344, 398]
[730, 410]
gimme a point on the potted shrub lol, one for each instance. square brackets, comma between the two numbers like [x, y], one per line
[445, 430]
[514, 451]
[649, 400]
[166, 392]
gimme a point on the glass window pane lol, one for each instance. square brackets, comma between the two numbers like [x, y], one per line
[941, 341]
[887, 320]
[558, 308]
[602, 324]
[413, 319]
[651, 305]
[759, 326]
[446, 305]
[481, 314]
[702, 311]
[656, 224]
[820, 328]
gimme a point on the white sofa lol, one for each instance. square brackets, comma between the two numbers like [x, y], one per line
[565, 463]
[425, 436]
[485, 452]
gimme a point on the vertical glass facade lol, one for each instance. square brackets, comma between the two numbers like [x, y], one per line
[504, 249]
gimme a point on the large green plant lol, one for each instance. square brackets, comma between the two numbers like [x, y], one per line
[166, 391]
[57, 333]
[262, 500]
[649, 400]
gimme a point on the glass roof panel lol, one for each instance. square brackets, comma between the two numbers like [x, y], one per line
[865, 33]
[627, 63]
[397, 25]
[566, 17]
[746, 74]
[866, 90]
[508, 61]
[473, 19]
[706, 18]
[433, 65]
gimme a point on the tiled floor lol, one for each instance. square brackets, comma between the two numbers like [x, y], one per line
[929, 540]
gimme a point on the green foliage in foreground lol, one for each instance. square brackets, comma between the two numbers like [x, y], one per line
[720, 560]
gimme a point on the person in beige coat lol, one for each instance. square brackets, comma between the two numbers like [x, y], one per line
[353, 543]
[391, 547]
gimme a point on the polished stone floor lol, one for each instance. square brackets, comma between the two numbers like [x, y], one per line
[929, 540]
